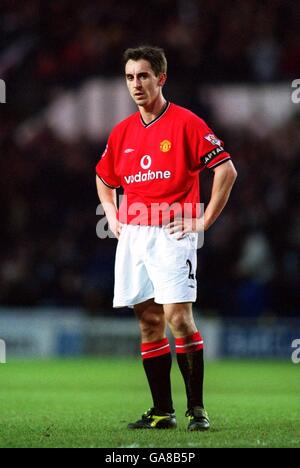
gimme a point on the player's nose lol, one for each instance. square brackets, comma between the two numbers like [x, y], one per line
[136, 83]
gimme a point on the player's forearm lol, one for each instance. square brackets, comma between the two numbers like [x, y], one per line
[108, 199]
[224, 179]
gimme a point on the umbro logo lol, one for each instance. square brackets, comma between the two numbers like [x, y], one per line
[128, 150]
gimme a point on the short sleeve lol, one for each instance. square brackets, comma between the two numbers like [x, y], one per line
[106, 167]
[208, 149]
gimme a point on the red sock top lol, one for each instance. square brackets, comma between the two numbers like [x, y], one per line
[189, 344]
[155, 348]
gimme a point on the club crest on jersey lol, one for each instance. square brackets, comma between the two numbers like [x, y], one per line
[165, 146]
[213, 139]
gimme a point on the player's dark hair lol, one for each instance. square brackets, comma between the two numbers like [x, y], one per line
[154, 55]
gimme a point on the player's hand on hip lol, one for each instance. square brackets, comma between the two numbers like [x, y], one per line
[115, 226]
[182, 226]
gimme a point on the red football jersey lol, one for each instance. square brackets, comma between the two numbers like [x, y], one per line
[158, 164]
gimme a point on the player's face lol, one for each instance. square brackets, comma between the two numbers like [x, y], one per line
[144, 87]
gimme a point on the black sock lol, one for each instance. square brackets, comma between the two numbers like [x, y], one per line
[158, 370]
[191, 366]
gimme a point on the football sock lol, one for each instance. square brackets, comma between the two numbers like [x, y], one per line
[189, 352]
[157, 362]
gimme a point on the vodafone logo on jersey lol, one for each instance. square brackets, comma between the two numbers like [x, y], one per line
[145, 163]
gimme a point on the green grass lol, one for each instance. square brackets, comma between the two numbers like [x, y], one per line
[88, 402]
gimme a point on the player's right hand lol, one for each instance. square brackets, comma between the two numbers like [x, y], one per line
[115, 226]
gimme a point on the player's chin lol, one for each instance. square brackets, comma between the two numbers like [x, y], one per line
[140, 101]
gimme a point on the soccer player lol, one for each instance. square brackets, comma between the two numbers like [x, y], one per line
[156, 155]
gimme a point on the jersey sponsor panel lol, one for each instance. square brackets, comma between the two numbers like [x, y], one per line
[160, 162]
[145, 176]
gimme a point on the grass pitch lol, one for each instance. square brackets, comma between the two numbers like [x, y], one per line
[88, 403]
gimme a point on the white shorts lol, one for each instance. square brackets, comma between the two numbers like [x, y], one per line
[150, 263]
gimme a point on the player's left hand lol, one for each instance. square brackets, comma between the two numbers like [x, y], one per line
[181, 227]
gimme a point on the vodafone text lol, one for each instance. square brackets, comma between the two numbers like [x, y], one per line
[145, 176]
[145, 163]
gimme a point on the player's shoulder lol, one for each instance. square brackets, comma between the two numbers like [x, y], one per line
[124, 124]
[188, 116]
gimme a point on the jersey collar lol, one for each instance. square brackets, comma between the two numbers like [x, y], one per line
[156, 118]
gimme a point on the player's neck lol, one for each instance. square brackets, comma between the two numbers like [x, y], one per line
[151, 112]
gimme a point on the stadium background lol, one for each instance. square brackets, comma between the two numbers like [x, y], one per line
[233, 65]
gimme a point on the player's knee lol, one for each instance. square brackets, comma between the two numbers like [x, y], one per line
[151, 323]
[179, 323]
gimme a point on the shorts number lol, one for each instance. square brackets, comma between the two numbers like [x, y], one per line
[189, 264]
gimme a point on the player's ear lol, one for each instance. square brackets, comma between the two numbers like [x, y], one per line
[162, 79]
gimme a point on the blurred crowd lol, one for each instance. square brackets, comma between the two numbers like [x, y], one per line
[49, 252]
[51, 43]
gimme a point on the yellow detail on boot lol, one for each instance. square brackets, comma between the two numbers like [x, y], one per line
[157, 419]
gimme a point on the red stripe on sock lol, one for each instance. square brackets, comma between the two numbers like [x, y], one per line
[155, 348]
[189, 344]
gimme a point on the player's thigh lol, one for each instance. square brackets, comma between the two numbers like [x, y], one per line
[132, 283]
[171, 265]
